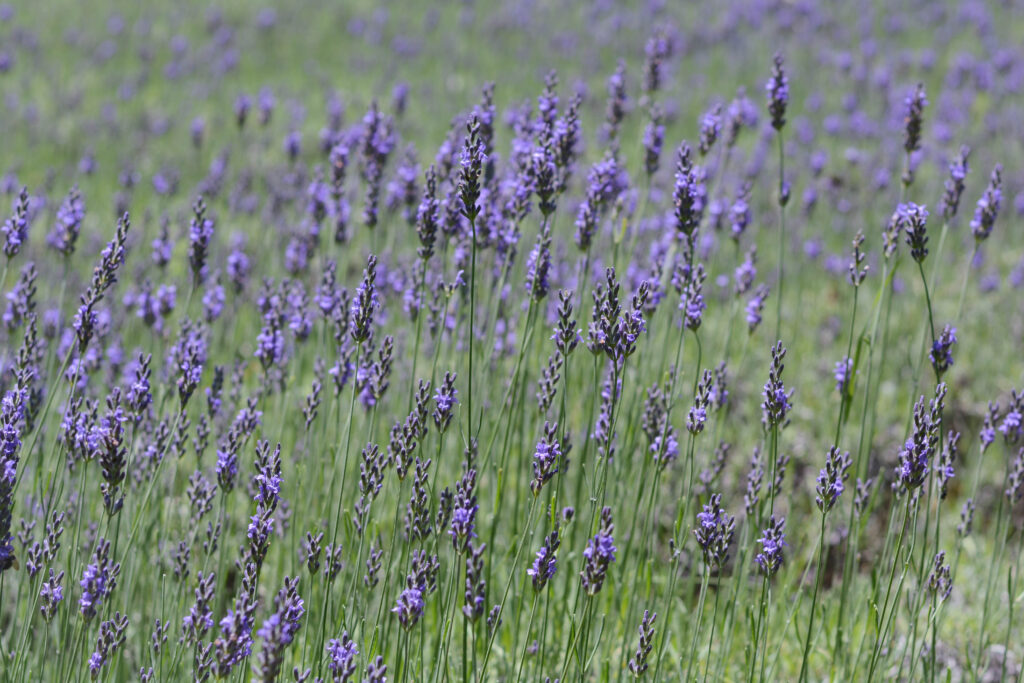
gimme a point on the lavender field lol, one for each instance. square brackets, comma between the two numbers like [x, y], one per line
[482, 341]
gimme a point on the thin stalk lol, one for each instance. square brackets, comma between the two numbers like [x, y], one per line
[883, 621]
[472, 329]
[782, 235]
[756, 640]
[714, 622]
[814, 601]
[698, 618]
[861, 465]
[508, 585]
[526, 646]
[963, 284]
[1000, 540]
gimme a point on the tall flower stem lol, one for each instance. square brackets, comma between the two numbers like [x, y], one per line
[963, 283]
[511, 577]
[755, 640]
[814, 601]
[472, 312]
[863, 455]
[697, 619]
[419, 332]
[1000, 544]
[714, 622]
[341, 496]
[529, 627]
[782, 234]
[883, 618]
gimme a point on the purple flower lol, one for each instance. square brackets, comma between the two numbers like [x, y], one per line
[598, 555]
[653, 141]
[409, 607]
[947, 456]
[265, 102]
[545, 564]
[742, 113]
[470, 170]
[941, 354]
[463, 520]
[940, 581]
[213, 301]
[912, 119]
[279, 630]
[538, 266]
[755, 305]
[746, 272]
[342, 655]
[777, 90]
[235, 641]
[188, 355]
[238, 268]
[270, 343]
[200, 232]
[98, 580]
[615, 108]
[51, 595]
[773, 540]
[918, 451]
[1014, 490]
[963, 529]
[605, 182]
[988, 206]
[698, 413]
[776, 403]
[364, 303]
[427, 216]
[710, 129]
[546, 458]
[544, 169]
[954, 184]
[475, 595]
[689, 195]
[831, 480]
[911, 219]
[111, 638]
[714, 532]
[15, 228]
[739, 213]
[547, 102]
[227, 469]
[65, 231]
[842, 373]
[657, 50]
[1012, 424]
[638, 664]
[445, 400]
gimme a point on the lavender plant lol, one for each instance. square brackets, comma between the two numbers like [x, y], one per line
[290, 382]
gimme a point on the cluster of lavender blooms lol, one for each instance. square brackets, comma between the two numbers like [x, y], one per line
[287, 405]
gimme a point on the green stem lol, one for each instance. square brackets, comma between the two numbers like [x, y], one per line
[963, 284]
[814, 601]
[782, 235]
[697, 619]
[883, 617]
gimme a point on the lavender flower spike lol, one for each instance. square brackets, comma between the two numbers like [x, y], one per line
[714, 532]
[773, 540]
[599, 555]
[988, 206]
[777, 90]
[831, 480]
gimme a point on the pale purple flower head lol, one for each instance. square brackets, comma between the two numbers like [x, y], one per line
[777, 91]
[773, 541]
[987, 209]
